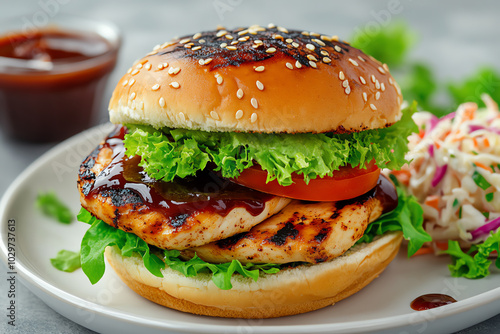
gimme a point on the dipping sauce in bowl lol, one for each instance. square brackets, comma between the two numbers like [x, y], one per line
[53, 78]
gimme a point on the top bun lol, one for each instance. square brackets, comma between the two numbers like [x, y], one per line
[258, 80]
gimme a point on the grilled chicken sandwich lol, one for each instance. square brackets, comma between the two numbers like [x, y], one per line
[243, 176]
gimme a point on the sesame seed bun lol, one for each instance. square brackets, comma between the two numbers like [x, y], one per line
[258, 80]
[291, 291]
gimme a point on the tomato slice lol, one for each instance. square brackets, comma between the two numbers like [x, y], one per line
[345, 183]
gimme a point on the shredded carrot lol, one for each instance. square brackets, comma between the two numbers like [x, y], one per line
[469, 112]
[432, 201]
[480, 165]
[421, 133]
[438, 146]
[486, 142]
[424, 250]
[475, 141]
[402, 175]
[442, 245]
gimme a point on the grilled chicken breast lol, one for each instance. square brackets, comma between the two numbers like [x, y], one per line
[125, 209]
[301, 232]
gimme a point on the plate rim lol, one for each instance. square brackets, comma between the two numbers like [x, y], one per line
[34, 282]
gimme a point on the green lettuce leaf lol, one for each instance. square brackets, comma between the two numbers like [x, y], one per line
[100, 235]
[51, 206]
[66, 260]
[485, 81]
[174, 153]
[407, 217]
[465, 264]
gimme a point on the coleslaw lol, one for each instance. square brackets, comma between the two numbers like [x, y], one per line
[455, 173]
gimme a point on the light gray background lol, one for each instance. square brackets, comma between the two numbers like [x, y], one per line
[455, 37]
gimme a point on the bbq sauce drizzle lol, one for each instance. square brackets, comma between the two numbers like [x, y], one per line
[207, 192]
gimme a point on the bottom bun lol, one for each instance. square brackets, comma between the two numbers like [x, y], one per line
[291, 291]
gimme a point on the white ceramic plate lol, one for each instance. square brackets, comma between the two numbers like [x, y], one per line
[110, 307]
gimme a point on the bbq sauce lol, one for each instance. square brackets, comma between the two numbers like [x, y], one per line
[430, 301]
[207, 192]
[52, 82]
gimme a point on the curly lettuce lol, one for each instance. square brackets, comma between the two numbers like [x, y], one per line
[170, 153]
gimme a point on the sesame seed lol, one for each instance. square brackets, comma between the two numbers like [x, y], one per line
[174, 70]
[271, 26]
[382, 86]
[125, 83]
[284, 30]
[377, 84]
[373, 78]
[326, 38]
[399, 100]
[289, 40]
[239, 93]
[223, 45]
[184, 41]
[341, 75]
[232, 48]
[271, 50]
[252, 32]
[229, 37]
[201, 41]
[174, 84]
[337, 48]
[148, 66]
[352, 61]
[221, 33]
[260, 85]
[201, 61]
[365, 97]
[196, 48]
[305, 33]
[161, 101]
[311, 57]
[377, 96]
[254, 102]
[253, 118]
[327, 60]
[324, 53]
[234, 42]
[239, 114]
[219, 79]
[165, 65]
[134, 72]
[310, 47]
[373, 106]
[157, 47]
[243, 32]
[155, 87]
[298, 64]
[160, 66]
[289, 65]
[313, 64]
[295, 44]
[208, 60]
[132, 96]
[315, 34]
[260, 69]
[189, 45]
[390, 81]
[385, 67]
[182, 116]
[347, 90]
[278, 37]
[363, 81]
[361, 58]
[381, 70]
[244, 39]
[139, 66]
[214, 114]
[131, 82]
[335, 38]
[320, 42]
[345, 83]
[258, 41]
[197, 35]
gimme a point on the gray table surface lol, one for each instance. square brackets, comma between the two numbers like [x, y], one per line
[455, 37]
